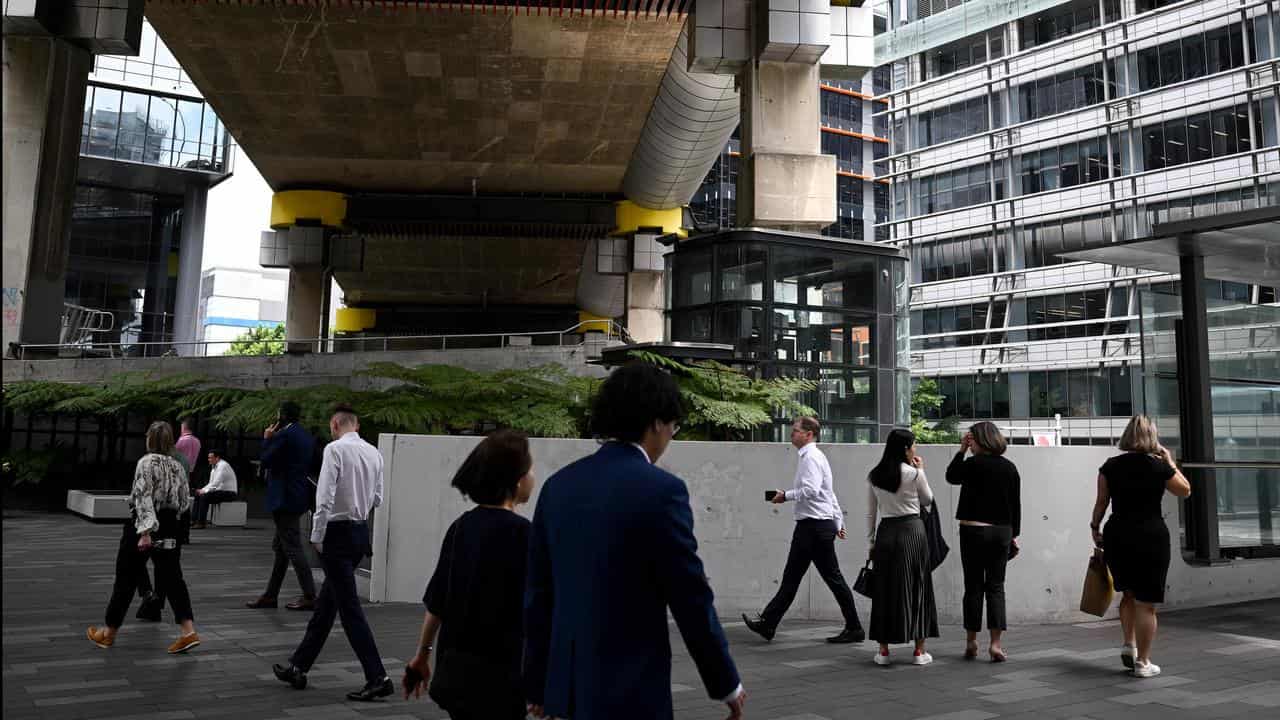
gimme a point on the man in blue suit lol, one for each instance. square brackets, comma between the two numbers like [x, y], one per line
[610, 550]
[287, 450]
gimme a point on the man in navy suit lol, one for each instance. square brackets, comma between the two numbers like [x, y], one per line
[610, 550]
[287, 449]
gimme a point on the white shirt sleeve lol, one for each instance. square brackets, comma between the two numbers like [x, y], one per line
[377, 483]
[923, 491]
[326, 491]
[217, 477]
[808, 480]
[872, 507]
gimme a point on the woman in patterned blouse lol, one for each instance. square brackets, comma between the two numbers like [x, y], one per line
[160, 495]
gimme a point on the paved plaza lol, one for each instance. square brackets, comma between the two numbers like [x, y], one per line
[1219, 663]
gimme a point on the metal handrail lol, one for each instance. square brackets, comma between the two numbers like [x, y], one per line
[614, 330]
[1232, 465]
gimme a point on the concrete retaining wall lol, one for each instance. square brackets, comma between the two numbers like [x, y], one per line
[283, 371]
[743, 541]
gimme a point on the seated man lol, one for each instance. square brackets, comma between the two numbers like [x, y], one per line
[221, 487]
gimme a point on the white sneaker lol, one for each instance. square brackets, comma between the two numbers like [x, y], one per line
[1145, 669]
[881, 660]
[1127, 654]
[921, 659]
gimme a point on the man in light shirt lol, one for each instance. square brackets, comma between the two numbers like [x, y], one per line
[220, 488]
[819, 521]
[350, 487]
[188, 444]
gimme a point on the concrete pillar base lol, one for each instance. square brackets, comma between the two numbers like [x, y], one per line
[645, 305]
[304, 316]
[787, 191]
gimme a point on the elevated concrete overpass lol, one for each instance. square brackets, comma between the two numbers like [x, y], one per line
[461, 165]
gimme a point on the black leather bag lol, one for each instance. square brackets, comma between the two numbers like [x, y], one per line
[866, 576]
[938, 548]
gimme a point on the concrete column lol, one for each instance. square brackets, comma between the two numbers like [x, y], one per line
[186, 306]
[645, 305]
[44, 85]
[784, 181]
[304, 314]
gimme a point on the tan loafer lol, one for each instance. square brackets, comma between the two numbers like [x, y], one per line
[184, 643]
[98, 636]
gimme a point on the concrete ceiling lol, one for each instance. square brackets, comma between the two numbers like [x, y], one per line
[411, 99]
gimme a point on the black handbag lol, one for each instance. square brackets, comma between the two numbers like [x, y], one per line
[866, 576]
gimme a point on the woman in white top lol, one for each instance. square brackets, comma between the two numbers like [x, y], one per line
[902, 606]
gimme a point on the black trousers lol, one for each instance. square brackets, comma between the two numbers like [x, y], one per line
[202, 503]
[287, 545]
[813, 541]
[984, 553]
[131, 564]
[346, 543]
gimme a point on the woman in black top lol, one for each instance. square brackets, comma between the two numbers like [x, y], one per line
[990, 515]
[1136, 539]
[475, 597]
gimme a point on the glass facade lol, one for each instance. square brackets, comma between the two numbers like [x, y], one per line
[799, 307]
[173, 131]
[1076, 125]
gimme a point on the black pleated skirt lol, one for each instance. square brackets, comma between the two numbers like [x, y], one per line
[902, 605]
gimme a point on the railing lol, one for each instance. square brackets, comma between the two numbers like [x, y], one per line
[610, 330]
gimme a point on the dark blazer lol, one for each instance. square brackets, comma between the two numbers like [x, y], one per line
[286, 457]
[610, 550]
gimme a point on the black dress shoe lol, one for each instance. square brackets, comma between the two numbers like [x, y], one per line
[759, 627]
[373, 691]
[150, 608]
[290, 675]
[848, 635]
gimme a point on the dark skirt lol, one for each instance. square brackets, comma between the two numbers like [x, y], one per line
[1137, 554]
[902, 605]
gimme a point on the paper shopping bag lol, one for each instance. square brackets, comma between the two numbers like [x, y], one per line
[1098, 590]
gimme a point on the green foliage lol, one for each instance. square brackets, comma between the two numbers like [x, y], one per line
[260, 340]
[924, 400]
[723, 403]
[31, 467]
[546, 401]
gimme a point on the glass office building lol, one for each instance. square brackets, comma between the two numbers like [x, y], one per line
[150, 149]
[1020, 132]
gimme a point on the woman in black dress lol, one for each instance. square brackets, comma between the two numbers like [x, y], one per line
[990, 516]
[475, 597]
[1136, 538]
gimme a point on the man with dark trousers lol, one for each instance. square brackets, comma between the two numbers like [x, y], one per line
[819, 521]
[611, 550]
[350, 487]
[286, 456]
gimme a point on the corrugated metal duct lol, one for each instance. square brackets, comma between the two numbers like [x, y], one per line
[692, 118]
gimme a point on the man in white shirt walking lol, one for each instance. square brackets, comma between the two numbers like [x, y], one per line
[819, 521]
[220, 488]
[350, 487]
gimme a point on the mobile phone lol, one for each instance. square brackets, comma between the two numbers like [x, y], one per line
[769, 495]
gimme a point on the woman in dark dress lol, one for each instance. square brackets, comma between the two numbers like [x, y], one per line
[1136, 538]
[475, 597]
[990, 516]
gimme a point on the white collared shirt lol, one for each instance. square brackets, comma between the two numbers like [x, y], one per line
[814, 488]
[350, 485]
[221, 477]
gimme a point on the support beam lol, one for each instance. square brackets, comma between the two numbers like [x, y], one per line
[44, 88]
[186, 306]
[1196, 406]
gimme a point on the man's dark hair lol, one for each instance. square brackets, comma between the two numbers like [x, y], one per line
[492, 471]
[218, 452]
[345, 415]
[631, 399]
[290, 411]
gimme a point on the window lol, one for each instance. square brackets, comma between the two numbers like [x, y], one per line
[951, 122]
[1067, 19]
[1191, 57]
[1062, 92]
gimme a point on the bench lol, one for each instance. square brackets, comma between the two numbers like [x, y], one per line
[98, 507]
[232, 513]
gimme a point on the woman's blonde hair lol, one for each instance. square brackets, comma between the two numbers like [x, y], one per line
[988, 437]
[159, 437]
[1140, 435]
